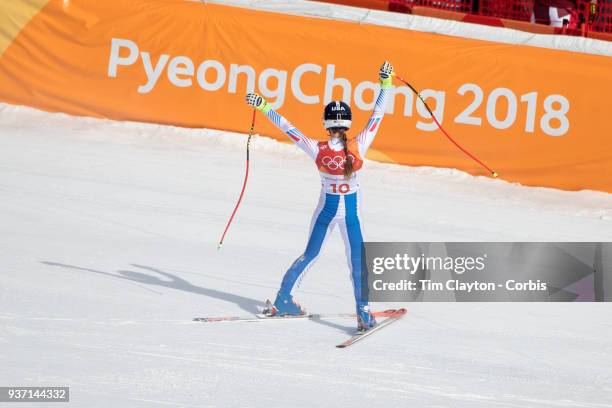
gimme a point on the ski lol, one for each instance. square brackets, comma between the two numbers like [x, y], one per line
[391, 318]
[259, 317]
[314, 316]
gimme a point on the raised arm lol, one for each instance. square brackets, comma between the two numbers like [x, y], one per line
[366, 137]
[308, 145]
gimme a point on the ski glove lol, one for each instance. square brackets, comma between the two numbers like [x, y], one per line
[259, 103]
[385, 75]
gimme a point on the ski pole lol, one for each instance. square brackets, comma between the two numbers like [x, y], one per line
[493, 173]
[246, 177]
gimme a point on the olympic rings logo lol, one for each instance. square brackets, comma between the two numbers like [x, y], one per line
[337, 162]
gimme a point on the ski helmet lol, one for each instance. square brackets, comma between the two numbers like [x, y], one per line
[337, 114]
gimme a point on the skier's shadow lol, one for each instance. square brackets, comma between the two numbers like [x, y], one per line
[171, 281]
[340, 327]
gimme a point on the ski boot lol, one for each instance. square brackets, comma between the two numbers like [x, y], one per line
[365, 318]
[284, 305]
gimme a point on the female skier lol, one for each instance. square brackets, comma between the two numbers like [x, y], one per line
[339, 202]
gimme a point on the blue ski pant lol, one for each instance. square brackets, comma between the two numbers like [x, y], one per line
[332, 210]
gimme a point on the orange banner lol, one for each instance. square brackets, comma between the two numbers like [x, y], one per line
[537, 116]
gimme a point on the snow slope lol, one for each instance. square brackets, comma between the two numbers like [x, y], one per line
[108, 235]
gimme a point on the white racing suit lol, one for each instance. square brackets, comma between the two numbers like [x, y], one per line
[340, 199]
